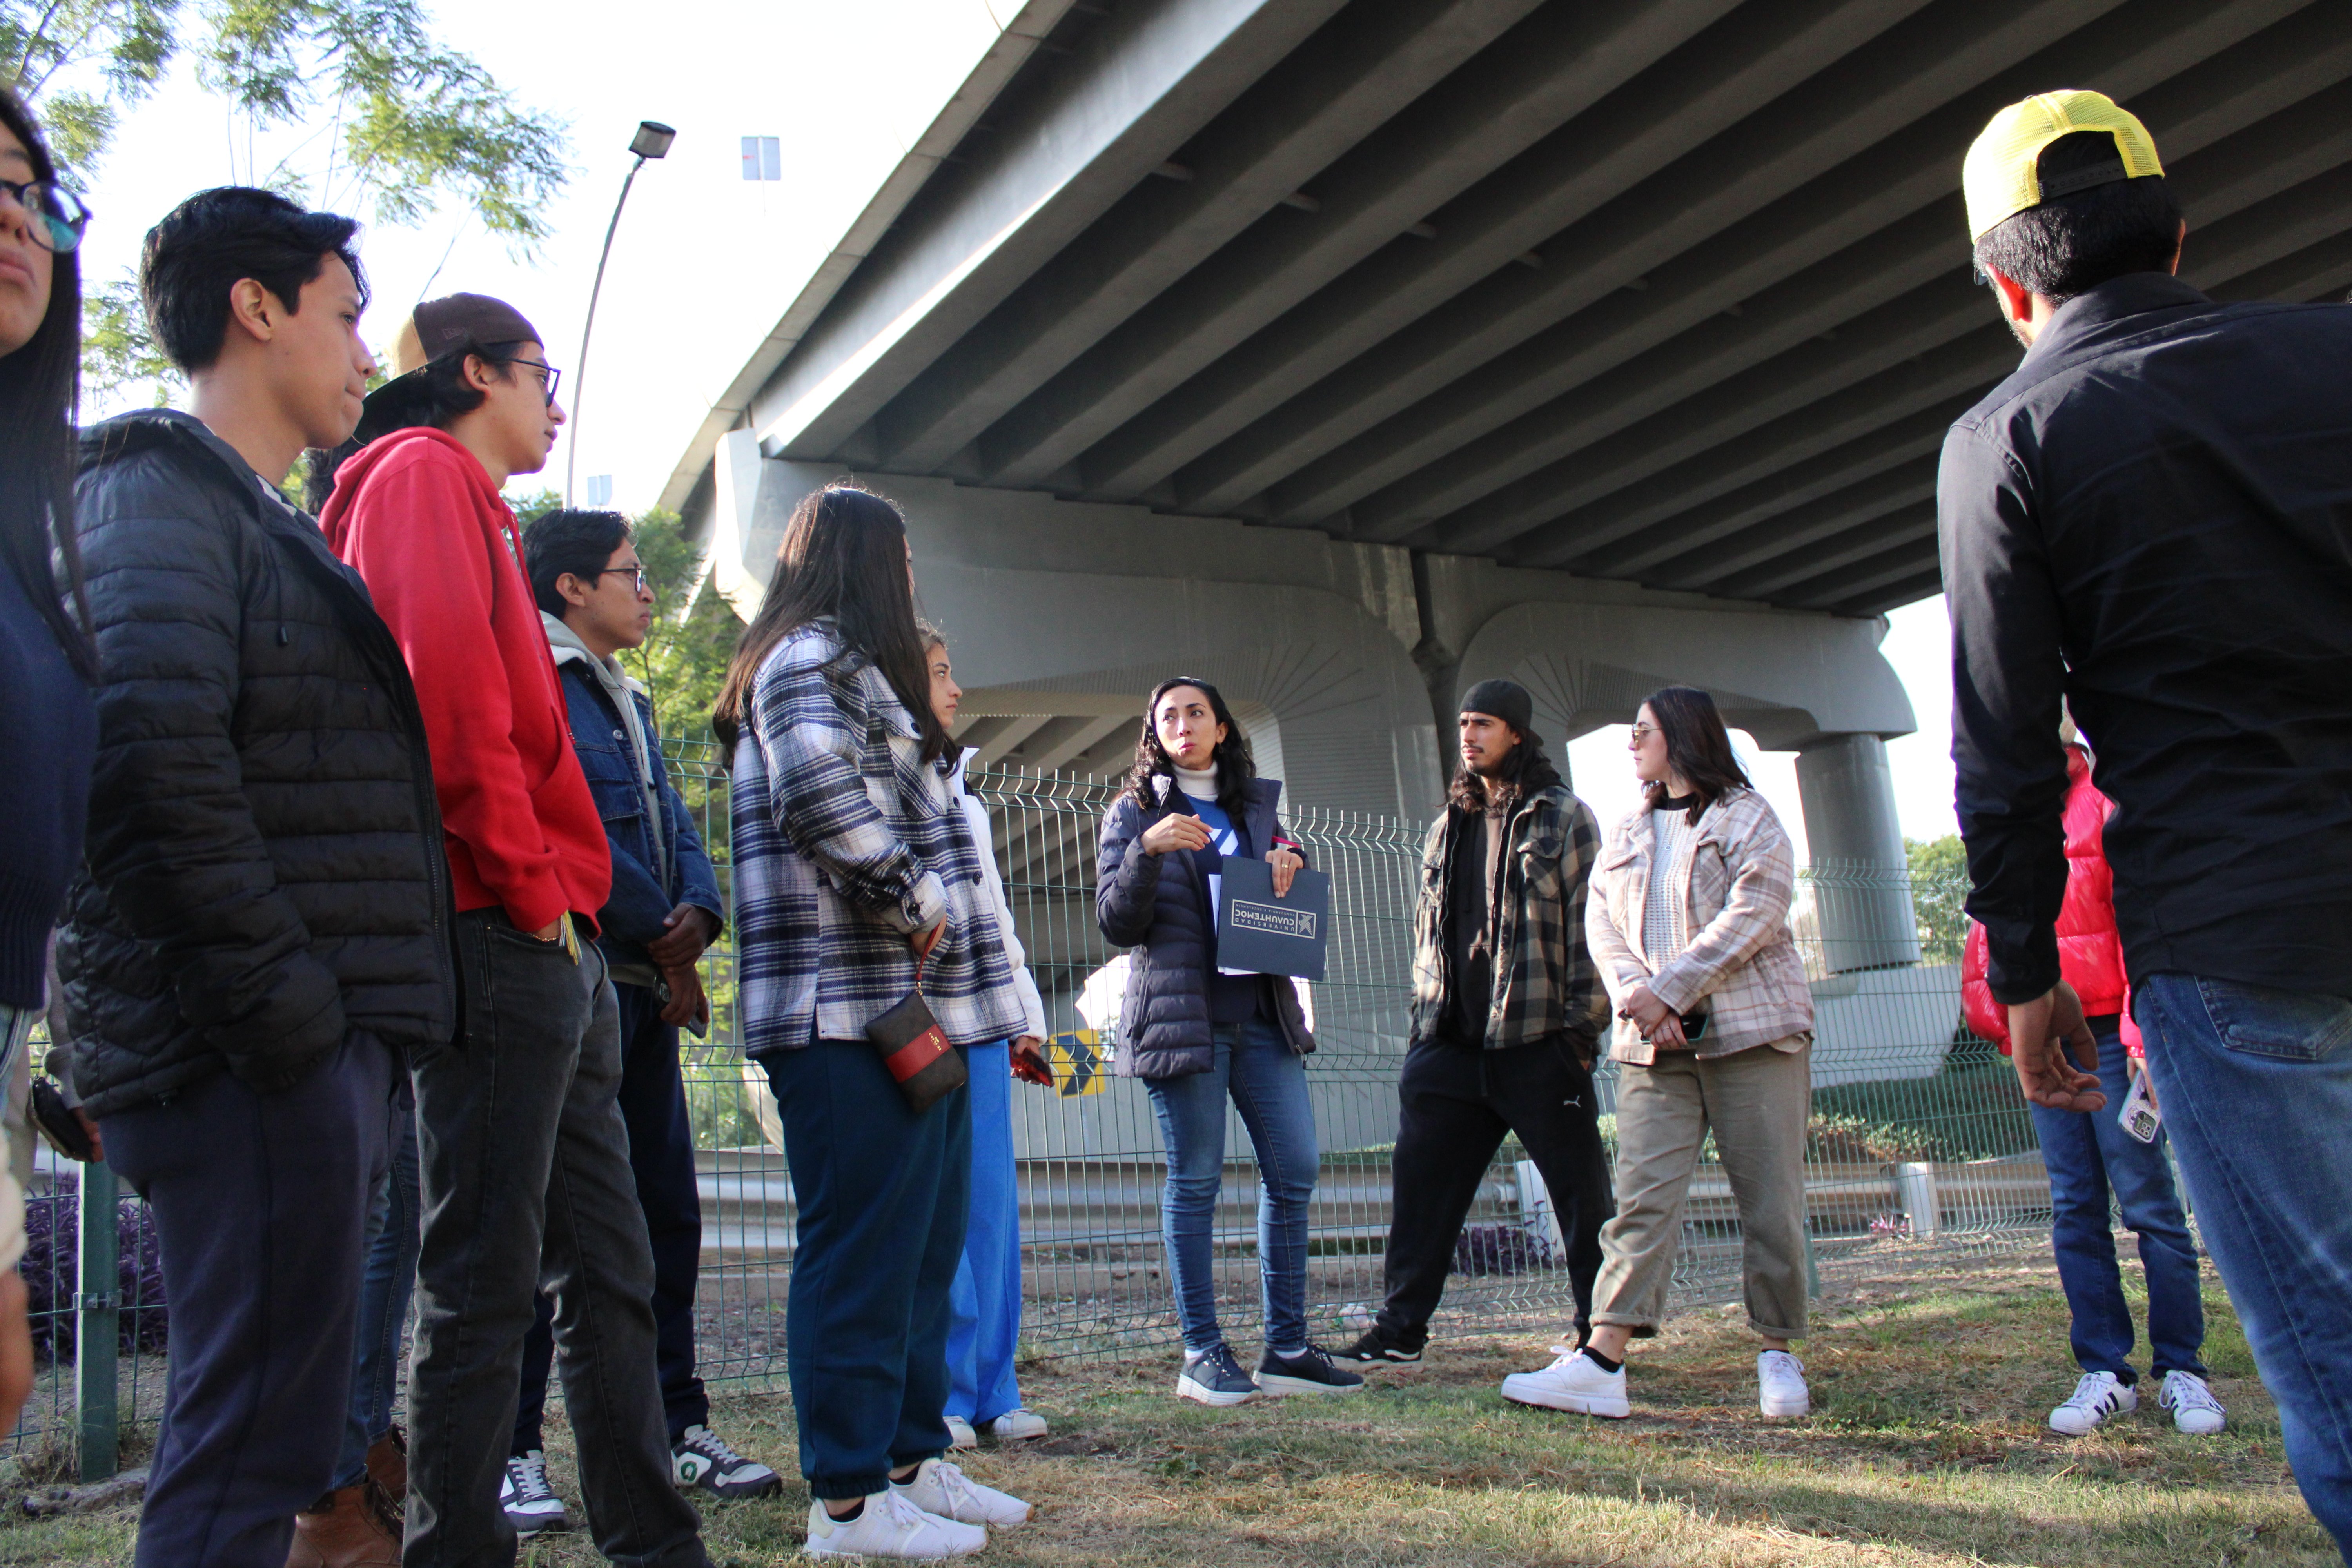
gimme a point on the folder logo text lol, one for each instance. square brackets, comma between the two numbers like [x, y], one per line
[1271, 921]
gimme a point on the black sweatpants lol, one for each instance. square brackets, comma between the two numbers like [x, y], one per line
[1455, 1106]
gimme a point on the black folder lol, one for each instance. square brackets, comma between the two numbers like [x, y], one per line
[1261, 933]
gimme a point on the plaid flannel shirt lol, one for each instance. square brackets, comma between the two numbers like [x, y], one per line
[1737, 875]
[845, 843]
[1548, 984]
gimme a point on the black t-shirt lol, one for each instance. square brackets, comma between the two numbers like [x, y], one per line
[1472, 965]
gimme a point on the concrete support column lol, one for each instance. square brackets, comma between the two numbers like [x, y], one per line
[1862, 887]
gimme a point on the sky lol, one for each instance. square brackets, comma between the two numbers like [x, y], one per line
[703, 260]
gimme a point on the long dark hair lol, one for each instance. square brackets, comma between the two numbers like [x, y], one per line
[40, 396]
[1525, 771]
[1236, 769]
[1697, 747]
[844, 559]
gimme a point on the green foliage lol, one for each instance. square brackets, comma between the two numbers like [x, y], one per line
[1939, 892]
[117, 349]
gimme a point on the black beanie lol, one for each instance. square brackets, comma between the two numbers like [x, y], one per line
[1506, 700]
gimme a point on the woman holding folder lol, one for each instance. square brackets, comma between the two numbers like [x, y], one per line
[1197, 1036]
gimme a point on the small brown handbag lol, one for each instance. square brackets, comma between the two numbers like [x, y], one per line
[917, 1052]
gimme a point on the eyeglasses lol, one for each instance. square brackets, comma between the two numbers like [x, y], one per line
[62, 215]
[637, 572]
[554, 376]
[1643, 732]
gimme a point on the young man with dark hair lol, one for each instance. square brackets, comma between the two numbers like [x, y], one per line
[522, 1151]
[263, 918]
[1508, 1011]
[664, 909]
[2152, 520]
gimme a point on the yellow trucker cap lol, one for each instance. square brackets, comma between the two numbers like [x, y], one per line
[2002, 174]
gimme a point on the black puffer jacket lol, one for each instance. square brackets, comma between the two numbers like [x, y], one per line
[1159, 905]
[264, 870]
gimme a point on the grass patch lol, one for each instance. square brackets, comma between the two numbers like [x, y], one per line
[1927, 1448]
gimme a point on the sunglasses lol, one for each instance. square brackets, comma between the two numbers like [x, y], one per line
[61, 216]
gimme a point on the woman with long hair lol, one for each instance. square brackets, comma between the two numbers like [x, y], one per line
[46, 658]
[1198, 1035]
[858, 883]
[1688, 919]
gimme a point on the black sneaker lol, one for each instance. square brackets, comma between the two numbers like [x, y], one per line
[1309, 1372]
[530, 1504]
[1376, 1349]
[700, 1458]
[1213, 1377]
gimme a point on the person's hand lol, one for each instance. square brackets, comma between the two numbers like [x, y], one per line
[1645, 1008]
[1667, 1034]
[15, 1349]
[1285, 863]
[2138, 1068]
[2039, 1031]
[687, 997]
[1029, 1061]
[97, 1152]
[687, 931]
[1175, 831]
[552, 931]
[923, 941]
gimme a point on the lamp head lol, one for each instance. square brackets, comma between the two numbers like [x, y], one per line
[652, 140]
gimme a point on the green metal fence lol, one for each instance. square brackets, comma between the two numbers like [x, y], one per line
[1920, 1145]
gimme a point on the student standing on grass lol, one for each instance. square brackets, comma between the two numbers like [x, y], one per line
[263, 918]
[984, 1311]
[2094, 1161]
[664, 911]
[1198, 1036]
[524, 1153]
[1688, 918]
[1507, 1016]
[856, 882]
[2151, 520]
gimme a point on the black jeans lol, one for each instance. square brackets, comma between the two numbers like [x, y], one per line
[661, 1155]
[1455, 1107]
[525, 1163]
[260, 1203]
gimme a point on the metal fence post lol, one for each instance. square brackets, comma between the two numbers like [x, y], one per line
[96, 1312]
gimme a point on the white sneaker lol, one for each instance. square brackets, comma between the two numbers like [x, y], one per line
[1575, 1382]
[2194, 1409]
[943, 1490]
[1780, 1385]
[960, 1433]
[2096, 1396]
[529, 1503]
[890, 1527]
[1018, 1426]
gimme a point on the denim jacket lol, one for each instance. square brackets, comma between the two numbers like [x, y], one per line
[641, 898]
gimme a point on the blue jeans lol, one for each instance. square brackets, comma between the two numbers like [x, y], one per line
[393, 1231]
[984, 1305]
[1255, 1064]
[2089, 1157]
[2256, 1087]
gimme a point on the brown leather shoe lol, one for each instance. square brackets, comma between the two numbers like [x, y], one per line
[387, 1465]
[350, 1527]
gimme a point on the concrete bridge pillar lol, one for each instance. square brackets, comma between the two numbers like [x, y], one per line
[1860, 876]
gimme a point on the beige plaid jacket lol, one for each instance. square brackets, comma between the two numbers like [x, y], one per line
[1736, 876]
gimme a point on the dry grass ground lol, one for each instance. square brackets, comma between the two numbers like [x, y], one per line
[1926, 1447]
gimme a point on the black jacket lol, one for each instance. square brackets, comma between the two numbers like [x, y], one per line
[1159, 905]
[264, 870]
[2153, 515]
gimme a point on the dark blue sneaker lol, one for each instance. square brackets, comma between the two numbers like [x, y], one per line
[1213, 1377]
[1311, 1370]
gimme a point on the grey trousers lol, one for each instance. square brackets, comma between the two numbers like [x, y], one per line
[1756, 1102]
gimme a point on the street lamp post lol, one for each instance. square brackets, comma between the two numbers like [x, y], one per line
[651, 141]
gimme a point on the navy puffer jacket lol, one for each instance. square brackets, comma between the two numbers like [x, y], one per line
[1159, 906]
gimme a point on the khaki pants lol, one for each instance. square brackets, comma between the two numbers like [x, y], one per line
[1756, 1102]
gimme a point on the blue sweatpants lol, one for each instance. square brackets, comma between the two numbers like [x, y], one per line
[984, 1307]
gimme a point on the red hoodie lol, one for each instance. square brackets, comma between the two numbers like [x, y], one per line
[416, 514]
[2090, 952]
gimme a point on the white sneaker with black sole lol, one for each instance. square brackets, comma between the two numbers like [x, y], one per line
[943, 1490]
[1780, 1385]
[1213, 1377]
[2096, 1396]
[890, 1526]
[2194, 1409]
[529, 1503]
[1575, 1383]
[700, 1458]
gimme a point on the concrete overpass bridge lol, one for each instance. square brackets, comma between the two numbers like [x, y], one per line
[1348, 352]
